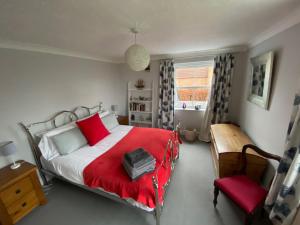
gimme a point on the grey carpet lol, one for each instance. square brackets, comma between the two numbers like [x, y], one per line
[188, 201]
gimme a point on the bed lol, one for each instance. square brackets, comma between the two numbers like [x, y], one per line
[78, 167]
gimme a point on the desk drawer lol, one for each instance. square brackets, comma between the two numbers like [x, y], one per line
[22, 206]
[16, 191]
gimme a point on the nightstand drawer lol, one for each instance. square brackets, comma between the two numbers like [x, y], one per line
[20, 192]
[16, 191]
[22, 206]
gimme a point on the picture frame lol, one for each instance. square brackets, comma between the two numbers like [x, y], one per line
[261, 79]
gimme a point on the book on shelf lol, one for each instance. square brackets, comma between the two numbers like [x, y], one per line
[135, 106]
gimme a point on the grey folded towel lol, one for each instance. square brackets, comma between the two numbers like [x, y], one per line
[135, 173]
[138, 157]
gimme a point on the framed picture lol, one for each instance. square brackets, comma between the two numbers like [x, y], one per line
[260, 80]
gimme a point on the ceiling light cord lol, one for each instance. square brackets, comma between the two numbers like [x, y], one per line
[135, 32]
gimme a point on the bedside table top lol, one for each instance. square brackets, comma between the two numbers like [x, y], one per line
[122, 117]
[8, 175]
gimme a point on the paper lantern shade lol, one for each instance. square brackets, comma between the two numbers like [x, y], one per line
[137, 57]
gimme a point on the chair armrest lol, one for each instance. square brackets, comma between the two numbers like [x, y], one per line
[257, 150]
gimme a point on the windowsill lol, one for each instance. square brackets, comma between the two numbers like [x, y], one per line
[181, 109]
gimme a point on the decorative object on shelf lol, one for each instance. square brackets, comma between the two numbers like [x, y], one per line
[260, 81]
[8, 148]
[183, 105]
[197, 107]
[140, 84]
[114, 109]
[136, 56]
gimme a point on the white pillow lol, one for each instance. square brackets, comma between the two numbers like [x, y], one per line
[104, 113]
[47, 146]
[110, 121]
[101, 115]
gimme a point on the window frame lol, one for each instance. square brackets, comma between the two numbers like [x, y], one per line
[206, 63]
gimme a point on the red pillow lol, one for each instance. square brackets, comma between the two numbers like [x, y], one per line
[93, 129]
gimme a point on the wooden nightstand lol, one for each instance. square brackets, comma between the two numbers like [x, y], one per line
[123, 120]
[20, 192]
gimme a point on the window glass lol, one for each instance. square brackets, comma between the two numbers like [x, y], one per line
[192, 85]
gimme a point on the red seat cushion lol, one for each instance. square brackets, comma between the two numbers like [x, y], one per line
[243, 191]
[93, 129]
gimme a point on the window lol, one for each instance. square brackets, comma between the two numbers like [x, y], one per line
[192, 84]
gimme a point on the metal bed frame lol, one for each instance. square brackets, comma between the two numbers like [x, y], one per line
[73, 116]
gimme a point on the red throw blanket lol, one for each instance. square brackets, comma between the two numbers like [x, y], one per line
[107, 171]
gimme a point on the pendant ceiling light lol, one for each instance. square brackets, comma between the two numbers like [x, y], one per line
[136, 56]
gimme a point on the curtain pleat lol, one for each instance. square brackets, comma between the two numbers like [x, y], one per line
[284, 195]
[221, 87]
[166, 95]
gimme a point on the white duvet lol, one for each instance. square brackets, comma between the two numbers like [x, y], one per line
[71, 166]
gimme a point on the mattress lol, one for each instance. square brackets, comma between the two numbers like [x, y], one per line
[71, 166]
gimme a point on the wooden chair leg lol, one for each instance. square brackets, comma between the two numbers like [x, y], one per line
[216, 194]
[249, 219]
[262, 212]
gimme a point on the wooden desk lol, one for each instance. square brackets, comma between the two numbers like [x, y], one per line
[226, 146]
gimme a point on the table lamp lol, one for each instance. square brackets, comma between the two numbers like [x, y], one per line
[114, 108]
[8, 148]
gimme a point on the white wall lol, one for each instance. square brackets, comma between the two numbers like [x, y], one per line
[33, 86]
[267, 128]
[237, 86]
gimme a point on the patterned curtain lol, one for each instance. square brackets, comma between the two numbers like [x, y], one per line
[284, 196]
[166, 95]
[221, 85]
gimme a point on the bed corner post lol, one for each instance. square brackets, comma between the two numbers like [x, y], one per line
[34, 150]
[177, 139]
[177, 130]
[157, 204]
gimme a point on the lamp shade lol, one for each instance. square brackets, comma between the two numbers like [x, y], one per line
[7, 148]
[137, 57]
[114, 108]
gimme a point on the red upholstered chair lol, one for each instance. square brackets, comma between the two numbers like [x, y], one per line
[243, 191]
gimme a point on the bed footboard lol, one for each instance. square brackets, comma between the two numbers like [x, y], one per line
[172, 144]
[157, 211]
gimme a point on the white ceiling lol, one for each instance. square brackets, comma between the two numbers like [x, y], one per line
[100, 28]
